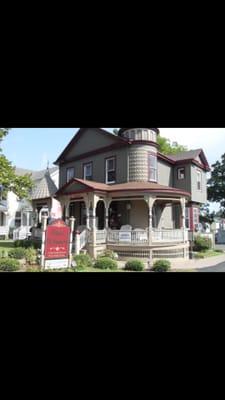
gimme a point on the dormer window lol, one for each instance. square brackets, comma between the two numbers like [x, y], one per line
[70, 173]
[181, 173]
[152, 168]
[110, 170]
[199, 180]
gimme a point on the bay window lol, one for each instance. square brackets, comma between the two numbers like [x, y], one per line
[152, 168]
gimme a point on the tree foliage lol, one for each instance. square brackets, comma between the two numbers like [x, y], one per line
[9, 181]
[206, 215]
[167, 148]
[216, 184]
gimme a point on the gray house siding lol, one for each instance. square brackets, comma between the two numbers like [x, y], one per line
[165, 174]
[199, 196]
[90, 140]
[99, 166]
[184, 184]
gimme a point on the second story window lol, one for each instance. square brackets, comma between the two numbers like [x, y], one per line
[152, 168]
[199, 180]
[180, 173]
[70, 173]
[110, 170]
[88, 173]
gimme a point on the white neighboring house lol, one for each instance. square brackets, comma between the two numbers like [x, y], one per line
[18, 216]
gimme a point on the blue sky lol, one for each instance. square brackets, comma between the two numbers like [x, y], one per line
[32, 148]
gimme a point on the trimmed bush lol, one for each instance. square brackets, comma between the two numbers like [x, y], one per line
[161, 266]
[105, 263]
[31, 255]
[109, 254]
[18, 253]
[9, 264]
[202, 244]
[134, 265]
[83, 261]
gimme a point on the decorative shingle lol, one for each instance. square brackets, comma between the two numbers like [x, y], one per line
[44, 188]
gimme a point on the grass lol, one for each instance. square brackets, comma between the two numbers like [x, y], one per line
[209, 253]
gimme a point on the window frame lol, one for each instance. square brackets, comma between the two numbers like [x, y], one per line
[107, 171]
[178, 173]
[84, 167]
[67, 170]
[199, 174]
[151, 168]
[195, 214]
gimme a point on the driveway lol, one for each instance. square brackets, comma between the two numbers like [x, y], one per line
[210, 264]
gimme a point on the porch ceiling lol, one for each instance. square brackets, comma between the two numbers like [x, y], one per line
[82, 186]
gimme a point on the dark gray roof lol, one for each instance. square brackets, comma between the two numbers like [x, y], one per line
[185, 155]
[44, 188]
[36, 175]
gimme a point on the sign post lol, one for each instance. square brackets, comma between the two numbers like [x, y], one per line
[72, 222]
[56, 245]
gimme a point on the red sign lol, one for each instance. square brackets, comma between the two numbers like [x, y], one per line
[57, 240]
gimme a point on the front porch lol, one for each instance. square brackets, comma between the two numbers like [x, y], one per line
[140, 223]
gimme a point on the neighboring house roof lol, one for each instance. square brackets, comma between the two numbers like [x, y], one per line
[187, 156]
[123, 187]
[36, 175]
[45, 188]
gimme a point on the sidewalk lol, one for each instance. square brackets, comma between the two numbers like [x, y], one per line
[197, 264]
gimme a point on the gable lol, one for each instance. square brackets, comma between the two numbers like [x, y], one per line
[87, 140]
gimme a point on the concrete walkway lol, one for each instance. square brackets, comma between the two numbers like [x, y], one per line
[209, 262]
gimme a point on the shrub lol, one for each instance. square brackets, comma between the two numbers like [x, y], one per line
[27, 243]
[9, 264]
[83, 261]
[202, 244]
[105, 263]
[109, 254]
[134, 265]
[18, 253]
[3, 254]
[31, 255]
[161, 266]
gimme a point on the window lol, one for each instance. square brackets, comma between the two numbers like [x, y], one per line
[195, 216]
[88, 171]
[199, 180]
[18, 219]
[152, 168]
[180, 173]
[70, 172]
[187, 218]
[110, 170]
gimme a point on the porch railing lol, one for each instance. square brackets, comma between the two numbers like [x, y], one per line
[4, 231]
[169, 235]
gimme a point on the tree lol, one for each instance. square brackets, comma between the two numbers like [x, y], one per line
[206, 215]
[166, 147]
[216, 184]
[9, 181]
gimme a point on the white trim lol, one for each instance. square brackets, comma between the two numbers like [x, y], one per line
[107, 170]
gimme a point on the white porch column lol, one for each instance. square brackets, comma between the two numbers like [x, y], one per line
[183, 210]
[107, 205]
[150, 201]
